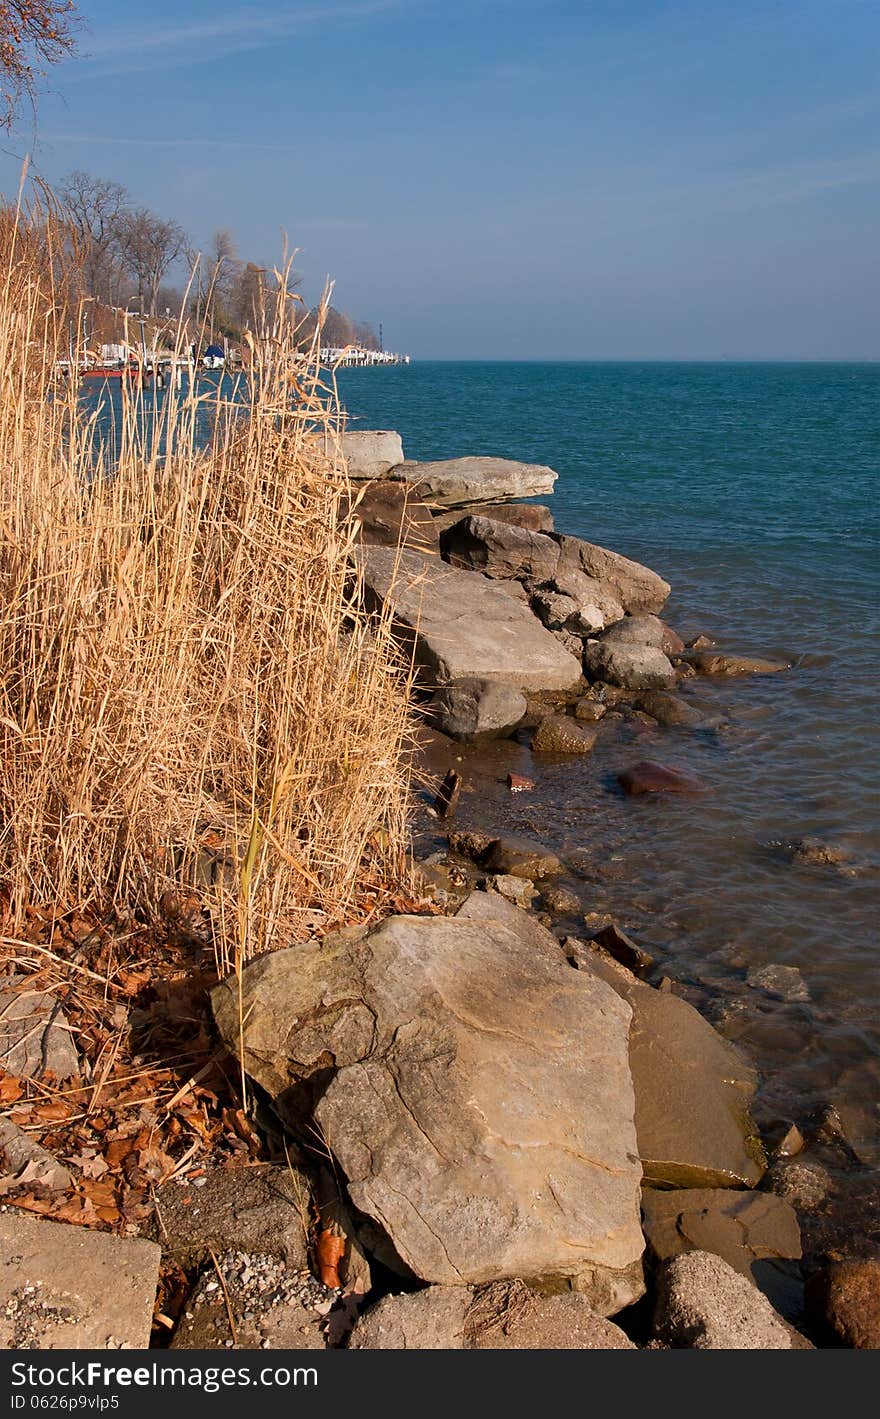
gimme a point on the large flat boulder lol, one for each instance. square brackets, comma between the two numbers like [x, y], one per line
[68, 1288]
[459, 482]
[692, 1088]
[371, 453]
[533, 516]
[637, 587]
[462, 627]
[473, 1089]
[500, 549]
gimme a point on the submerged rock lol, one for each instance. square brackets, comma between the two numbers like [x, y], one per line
[707, 662]
[479, 1149]
[652, 777]
[559, 734]
[785, 982]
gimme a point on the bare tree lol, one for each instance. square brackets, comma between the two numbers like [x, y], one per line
[149, 246]
[33, 35]
[97, 211]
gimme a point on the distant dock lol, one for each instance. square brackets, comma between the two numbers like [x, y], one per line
[350, 355]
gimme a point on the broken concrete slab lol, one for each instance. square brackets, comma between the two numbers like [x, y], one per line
[68, 1288]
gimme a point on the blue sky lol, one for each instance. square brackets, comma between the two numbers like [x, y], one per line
[509, 178]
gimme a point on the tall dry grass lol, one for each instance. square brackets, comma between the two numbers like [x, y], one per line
[191, 699]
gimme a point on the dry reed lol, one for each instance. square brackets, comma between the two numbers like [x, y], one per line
[192, 699]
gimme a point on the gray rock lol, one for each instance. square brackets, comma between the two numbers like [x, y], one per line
[69, 1288]
[521, 857]
[500, 549]
[480, 1149]
[559, 734]
[692, 1088]
[23, 1160]
[633, 667]
[473, 710]
[517, 889]
[552, 609]
[263, 1209]
[34, 1033]
[599, 604]
[501, 1317]
[458, 482]
[462, 627]
[370, 453]
[754, 1232]
[785, 982]
[703, 1304]
[636, 587]
[636, 630]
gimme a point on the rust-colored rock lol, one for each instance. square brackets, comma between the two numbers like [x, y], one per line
[649, 776]
[846, 1297]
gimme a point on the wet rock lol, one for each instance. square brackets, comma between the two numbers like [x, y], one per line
[754, 1232]
[520, 857]
[637, 587]
[703, 1304]
[590, 711]
[69, 1288]
[784, 982]
[813, 852]
[448, 795]
[475, 710]
[462, 627]
[468, 843]
[707, 662]
[265, 1209]
[672, 643]
[445, 1116]
[642, 629]
[371, 453]
[700, 643]
[783, 1140]
[516, 889]
[670, 710]
[624, 949]
[560, 901]
[499, 549]
[559, 734]
[633, 667]
[34, 1034]
[803, 1184]
[393, 515]
[649, 776]
[459, 482]
[507, 1316]
[845, 1299]
[24, 1161]
[692, 1088]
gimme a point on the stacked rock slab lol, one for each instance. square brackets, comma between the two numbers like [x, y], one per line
[460, 482]
[474, 1091]
[462, 627]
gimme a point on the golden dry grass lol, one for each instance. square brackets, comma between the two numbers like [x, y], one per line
[192, 701]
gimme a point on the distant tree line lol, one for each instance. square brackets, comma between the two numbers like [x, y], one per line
[128, 253]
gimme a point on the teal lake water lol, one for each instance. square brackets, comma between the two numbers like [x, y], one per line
[753, 488]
